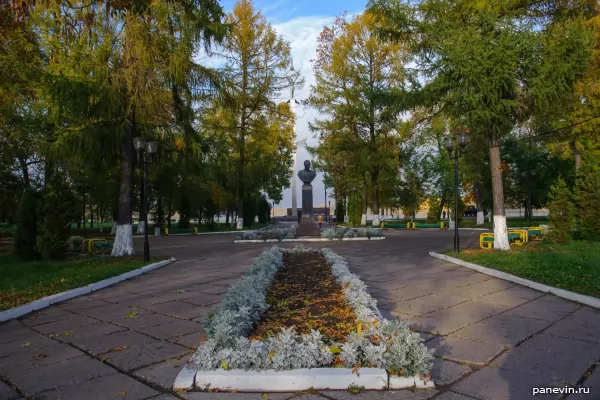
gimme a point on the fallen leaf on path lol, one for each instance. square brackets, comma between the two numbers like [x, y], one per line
[40, 357]
[68, 333]
[26, 344]
[265, 396]
[122, 393]
[120, 348]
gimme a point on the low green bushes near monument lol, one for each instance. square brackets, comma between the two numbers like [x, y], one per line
[269, 233]
[340, 233]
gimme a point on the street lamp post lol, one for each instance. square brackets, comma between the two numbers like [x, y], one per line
[329, 211]
[455, 145]
[143, 148]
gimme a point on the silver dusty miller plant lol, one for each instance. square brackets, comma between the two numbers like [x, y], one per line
[269, 233]
[339, 233]
[380, 343]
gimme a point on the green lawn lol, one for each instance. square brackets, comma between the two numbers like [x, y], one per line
[574, 267]
[22, 282]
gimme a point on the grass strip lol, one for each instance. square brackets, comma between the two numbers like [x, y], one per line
[24, 281]
[574, 266]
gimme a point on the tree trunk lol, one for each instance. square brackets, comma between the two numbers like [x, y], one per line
[123, 244]
[363, 219]
[141, 228]
[91, 214]
[100, 211]
[500, 235]
[479, 203]
[240, 178]
[375, 190]
[227, 216]
[25, 171]
[170, 212]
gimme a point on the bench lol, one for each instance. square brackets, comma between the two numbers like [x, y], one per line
[103, 247]
[191, 231]
[515, 236]
[385, 225]
[536, 233]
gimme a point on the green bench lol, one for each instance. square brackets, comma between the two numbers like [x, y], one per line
[102, 247]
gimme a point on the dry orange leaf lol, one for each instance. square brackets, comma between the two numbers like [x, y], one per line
[122, 393]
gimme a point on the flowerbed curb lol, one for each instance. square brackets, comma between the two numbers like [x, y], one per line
[296, 380]
[308, 240]
[565, 294]
[47, 301]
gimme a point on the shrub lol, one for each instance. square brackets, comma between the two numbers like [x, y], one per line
[587, 200]
[26, 232]
[561, 216]
[54, 224]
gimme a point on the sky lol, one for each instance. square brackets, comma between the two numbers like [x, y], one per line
[300, 22]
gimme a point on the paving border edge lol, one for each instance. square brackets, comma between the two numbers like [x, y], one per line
[565, 294]
[47, 301]
[308, 240]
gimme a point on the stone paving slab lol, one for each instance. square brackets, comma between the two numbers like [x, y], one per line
[35, 358]
[179, 309]
[512, 296]
[68, 373]
[453, 396]
[497, 384]
[28, 341]
[592, 383]
[447, 372]
[8, 393]
[502, 329]
[88, 331]
[67, 325]
[109, 387]
[551, 358]
[426, 304]
[163, 374]
[174, 329]
[583, 324]
[462, 350]
[547, 308]
[45, 316]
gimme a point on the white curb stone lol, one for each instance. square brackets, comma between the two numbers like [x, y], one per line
[185, 380]
[294, 380]
[69, 294]
[565, 294]
[401, 382]
[39, 304]
[308, 240]
[16, 312]
[422, 383]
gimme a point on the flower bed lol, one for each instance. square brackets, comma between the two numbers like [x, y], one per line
[340, 233]
[370, 341]
[269, 233]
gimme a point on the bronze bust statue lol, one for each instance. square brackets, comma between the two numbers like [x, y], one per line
[307, 175]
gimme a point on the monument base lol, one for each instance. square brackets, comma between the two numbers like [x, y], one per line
[308, 227]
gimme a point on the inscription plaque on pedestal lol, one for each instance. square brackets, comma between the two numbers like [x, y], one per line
[308, 226]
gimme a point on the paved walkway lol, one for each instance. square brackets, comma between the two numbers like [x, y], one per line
[493, 339]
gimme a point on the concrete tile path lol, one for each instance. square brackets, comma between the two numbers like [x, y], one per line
[492, 339]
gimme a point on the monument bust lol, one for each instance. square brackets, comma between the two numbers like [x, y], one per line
[307, 175]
